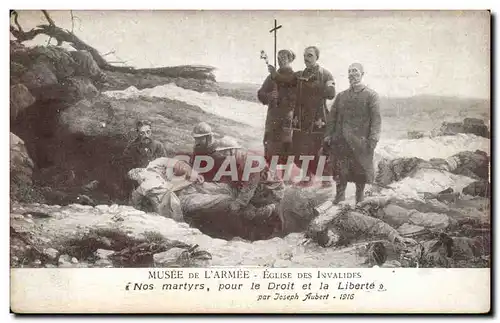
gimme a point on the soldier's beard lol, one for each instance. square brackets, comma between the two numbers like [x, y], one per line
[354, 81]
[146, 140]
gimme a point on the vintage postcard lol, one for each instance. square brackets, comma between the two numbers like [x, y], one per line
[300, 161]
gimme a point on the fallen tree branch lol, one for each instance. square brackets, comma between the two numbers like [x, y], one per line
[16, 16]
[61, 35]
[49, 19]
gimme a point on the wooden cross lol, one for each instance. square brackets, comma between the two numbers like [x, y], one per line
[275, 29]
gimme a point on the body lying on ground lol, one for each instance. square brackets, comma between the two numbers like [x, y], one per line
[245, 208]
[421, 233]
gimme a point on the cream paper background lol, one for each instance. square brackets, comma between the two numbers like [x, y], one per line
[106, 288]
[103, 291]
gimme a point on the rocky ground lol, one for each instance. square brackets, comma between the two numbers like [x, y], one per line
[121, 236]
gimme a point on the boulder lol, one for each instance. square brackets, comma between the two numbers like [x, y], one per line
[451, 128]
[168, 258]
[16, 71]
[20, 99]
[469, 125]
[479, 188]
[38, 76]
[394, 215]
[86, 66]
[476, 126]
[51, 253]
[70, 90]
[103, 253]
[57, 59]
[415, 134]
[390, 171]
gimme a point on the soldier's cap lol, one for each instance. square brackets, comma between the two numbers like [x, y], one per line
[202, 129]
[227, 142]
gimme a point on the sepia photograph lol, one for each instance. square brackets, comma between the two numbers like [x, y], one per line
[276, 139]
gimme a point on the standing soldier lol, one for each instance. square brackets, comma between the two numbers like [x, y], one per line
[353, 131]
[315, 85]
[278, 92]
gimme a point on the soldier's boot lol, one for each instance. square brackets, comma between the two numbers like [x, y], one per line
[340, 192]
[360, 192]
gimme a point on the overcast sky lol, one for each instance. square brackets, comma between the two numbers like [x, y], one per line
[404, 53]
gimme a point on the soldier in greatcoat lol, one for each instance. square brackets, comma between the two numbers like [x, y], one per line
[353, 131]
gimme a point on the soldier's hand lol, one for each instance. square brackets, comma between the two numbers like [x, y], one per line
[196, 177]
[271, 69]
[273, 95]
[295, 121]
[200, 179]
[320, 123]
[327, 141]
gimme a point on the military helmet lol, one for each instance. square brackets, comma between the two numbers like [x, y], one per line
[226, 143]
[202, 129]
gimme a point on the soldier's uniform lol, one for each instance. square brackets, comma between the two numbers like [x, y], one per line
[140, 154]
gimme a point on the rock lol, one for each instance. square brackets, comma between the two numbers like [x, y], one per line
[102, 208]
[58, 58]
[50, 266]
[80, 88]
[37, 262]
[64, 260]
[51, 253]
[168, 258]
[196, 85]
[70, 90]
[74, 260]
[465, 248]
[469, 125]
[21, 170]
[472, 164]
[103, 253]
[392, 264]
[20, 99]
[113, 208]
[476, 126]
[430, 220]
[16, 216]
[39, 76]
[415, 134]
[103, 263]
[479, 188]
